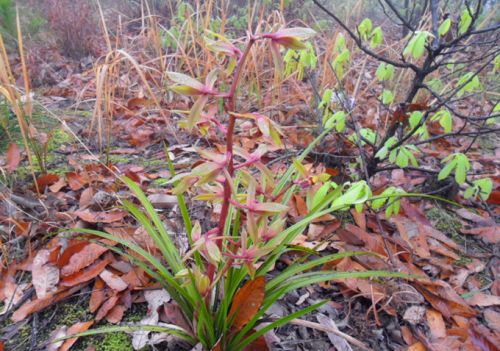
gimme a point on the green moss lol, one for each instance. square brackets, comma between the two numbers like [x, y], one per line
[72, 313]
[119, 159]
[25, 332]
[462, 261]
[444, 221]
[58, 137]
[115, 342]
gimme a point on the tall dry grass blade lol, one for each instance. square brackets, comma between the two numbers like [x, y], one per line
[104, 26]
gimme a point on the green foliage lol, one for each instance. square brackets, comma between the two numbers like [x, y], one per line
[435, 84]
[377, 37]
[481, 187]
[365, 28]
[340, 62]
[457, 162]
[445, 119]
[385, 71]
[389, 196]
[342, 57]
[465, 21]
[366, 133]
[444, 27]
[384, 150]
[365, 31]
[469, 82]
[493, 120]
[403, 156]
[416, 45]
[299, 60]
[496, 63]
[387, 97]
[415, 118]
[8, 17]
[336, 120]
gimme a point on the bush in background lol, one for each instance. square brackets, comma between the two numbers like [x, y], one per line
[75, 25]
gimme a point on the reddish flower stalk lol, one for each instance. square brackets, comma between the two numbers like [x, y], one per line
[230, 107]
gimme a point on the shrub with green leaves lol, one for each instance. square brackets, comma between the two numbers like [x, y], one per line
[428, 90]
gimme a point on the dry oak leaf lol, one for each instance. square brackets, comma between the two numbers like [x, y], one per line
[247, 302]
[40, 304]
[76, 181]
[85, 257]
[98, 295]
[493, 319]
[115, 315]
[101, 217]
[106, 307]
[484, 300]
[13, 157]
[46, 180]
[88, 274]
[446, 301]
[488, 234]
[45, 275]
[113, 281]
[436, 324]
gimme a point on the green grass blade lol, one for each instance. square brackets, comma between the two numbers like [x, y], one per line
[176, 263]
[295, 269]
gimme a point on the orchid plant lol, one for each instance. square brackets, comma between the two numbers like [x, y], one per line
[220, 283]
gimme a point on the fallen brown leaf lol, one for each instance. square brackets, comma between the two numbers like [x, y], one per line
[113, 281]
[75, 329]
[247, 302]
[13, 157]
[83, 258]
[45, 275]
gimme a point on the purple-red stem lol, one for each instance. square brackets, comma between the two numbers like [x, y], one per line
[230, 107]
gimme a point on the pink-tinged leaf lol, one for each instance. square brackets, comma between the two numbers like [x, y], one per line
[211, 79]
[298, 32]
[195, 113]
[291, 43]
[205, 169]
[186, 90]
[270, 207]
[263, 124]
[13, 157]
[291, 38]
[185, 80]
